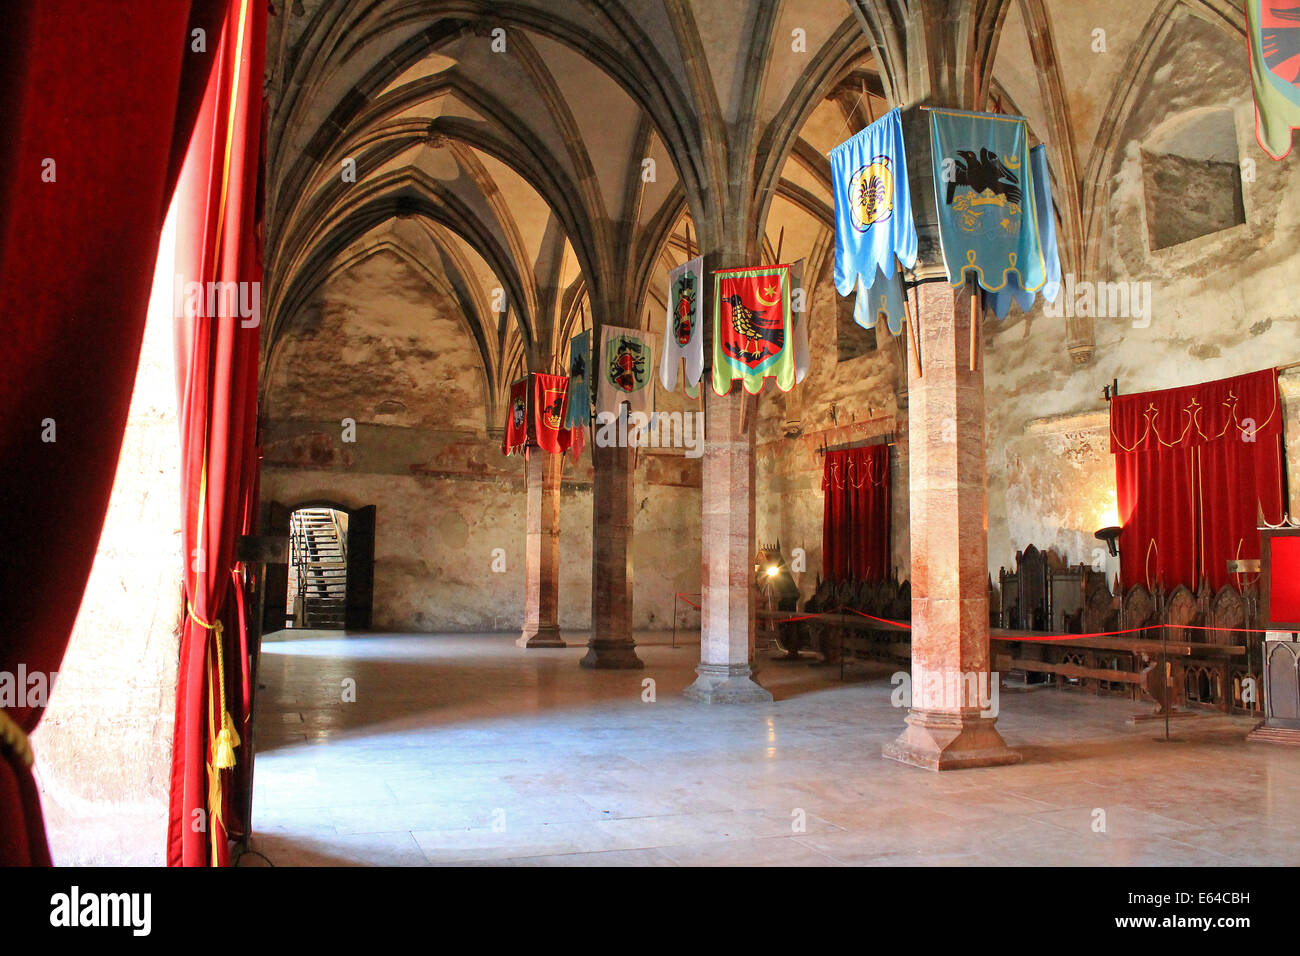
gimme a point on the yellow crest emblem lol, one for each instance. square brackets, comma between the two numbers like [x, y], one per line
[871, 194]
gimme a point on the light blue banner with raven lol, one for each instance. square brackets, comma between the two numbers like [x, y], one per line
[984, 194]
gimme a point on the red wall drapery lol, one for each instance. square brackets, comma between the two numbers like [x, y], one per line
[110, 99]
[217, 356]
[1194, 466]
[855, 520]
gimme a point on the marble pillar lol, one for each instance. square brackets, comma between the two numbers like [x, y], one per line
[611, 644]
[727, 529]
[542, 551]
[951, 721]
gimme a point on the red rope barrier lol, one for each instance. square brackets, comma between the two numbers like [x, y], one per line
[685, 597]
[1036, 637]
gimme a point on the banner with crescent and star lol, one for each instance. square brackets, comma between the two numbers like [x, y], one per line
[753, 328]
[984, 194]
[684, 337]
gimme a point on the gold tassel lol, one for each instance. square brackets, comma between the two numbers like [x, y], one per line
[227, 741]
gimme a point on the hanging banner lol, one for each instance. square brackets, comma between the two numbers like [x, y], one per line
[873, 206]
[516, 440]
[752, 328]
[883, 301]
[549, 395]
[537, 414]
[684, 338]
[984, 188]
[799, 308]
[1000, 302]
[579, 412]
[626, 369]
[1273, 34]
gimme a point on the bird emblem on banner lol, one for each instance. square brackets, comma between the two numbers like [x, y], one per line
[753, 328]
[982, 177]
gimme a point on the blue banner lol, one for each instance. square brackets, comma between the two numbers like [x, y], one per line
[884, 300]
[984, 194]
[579, 378]
[873, 208]
[1000, 302]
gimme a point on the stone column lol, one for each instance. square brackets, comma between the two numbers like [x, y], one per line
[727, 530]
[948, 726]
[612, 493]
[542, 551]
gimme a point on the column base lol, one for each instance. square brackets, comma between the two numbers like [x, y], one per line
[721, 684]
[544, 635]
[944, 740]
[612, 655]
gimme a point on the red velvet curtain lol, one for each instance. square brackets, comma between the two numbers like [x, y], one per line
[855, 521]
[218, 246]
[1194, 468]
[98, 108]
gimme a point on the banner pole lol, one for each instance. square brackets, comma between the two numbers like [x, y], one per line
[911, 337]
[974, 318]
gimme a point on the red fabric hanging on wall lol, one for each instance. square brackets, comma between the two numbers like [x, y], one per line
[1193, 468]
[110, 99]
[855, 521]
[217, 337]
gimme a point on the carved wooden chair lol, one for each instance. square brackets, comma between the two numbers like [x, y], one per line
[1031, 579]
[1010, 587]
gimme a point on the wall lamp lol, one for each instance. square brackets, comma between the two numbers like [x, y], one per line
[1111, 537]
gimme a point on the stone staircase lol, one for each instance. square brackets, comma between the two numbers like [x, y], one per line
[322, 561]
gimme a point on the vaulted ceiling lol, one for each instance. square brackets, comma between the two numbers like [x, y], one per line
[546, 160]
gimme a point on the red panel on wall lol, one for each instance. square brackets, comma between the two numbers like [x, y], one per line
[1284, 579]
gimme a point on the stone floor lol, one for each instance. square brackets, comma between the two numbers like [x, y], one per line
[463, 749]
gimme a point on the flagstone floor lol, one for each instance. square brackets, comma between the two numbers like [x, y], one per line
[463, 749]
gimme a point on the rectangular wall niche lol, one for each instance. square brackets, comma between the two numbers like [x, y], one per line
[1192, 182]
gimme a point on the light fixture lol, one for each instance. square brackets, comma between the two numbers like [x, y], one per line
[772, 570]
[1111, 537]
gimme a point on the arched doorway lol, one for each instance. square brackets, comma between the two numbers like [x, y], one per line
[329, 581]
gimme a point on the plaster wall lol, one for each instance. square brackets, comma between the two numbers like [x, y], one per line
[1222, 304]
[384, 345]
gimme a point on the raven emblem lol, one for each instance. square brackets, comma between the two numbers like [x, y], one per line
[984, 174]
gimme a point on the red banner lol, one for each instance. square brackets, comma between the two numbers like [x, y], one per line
[1195, 467]
[516, 440]
[536, 415]
[550, 405]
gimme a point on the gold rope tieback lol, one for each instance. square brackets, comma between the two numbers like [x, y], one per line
[15, 739]
[223, 752]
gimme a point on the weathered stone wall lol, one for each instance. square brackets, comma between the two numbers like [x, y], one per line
[383, 345]
[1221, 304]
